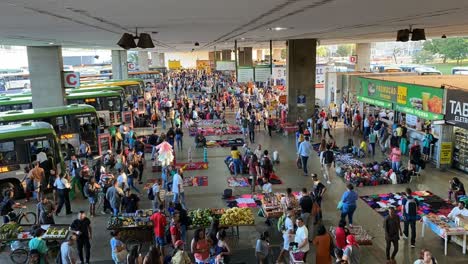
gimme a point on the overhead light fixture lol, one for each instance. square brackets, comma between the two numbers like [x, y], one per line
[278, 28]
[444, 36]
[403, 35]
[417, 34]
[197, 44]
[127, 41]
[51, 43]
[242, 38]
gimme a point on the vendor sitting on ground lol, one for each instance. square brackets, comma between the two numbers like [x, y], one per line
[360, 151]
[200, 140]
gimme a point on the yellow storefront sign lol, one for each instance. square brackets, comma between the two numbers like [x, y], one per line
[402, 95]
[445, 152]
[174, 64]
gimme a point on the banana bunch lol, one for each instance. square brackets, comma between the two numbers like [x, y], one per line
[237, 216]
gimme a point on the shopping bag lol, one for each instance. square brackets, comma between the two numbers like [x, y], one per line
[299, 163]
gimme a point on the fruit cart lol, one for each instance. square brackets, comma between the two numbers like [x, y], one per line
[228, 218]
[18, 237]
[136, 228]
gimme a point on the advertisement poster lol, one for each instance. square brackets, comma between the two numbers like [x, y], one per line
[445, 152]
[320, 72]
[262, 73]
[422, 101]
[456, 108]
[279, 73]
[301, 100]
[174, 64]
[245, 75]
[203, 64]
[225, 65]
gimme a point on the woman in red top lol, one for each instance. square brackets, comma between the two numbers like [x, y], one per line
[200, 247]
[340, 235]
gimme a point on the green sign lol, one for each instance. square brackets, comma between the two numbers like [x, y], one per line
[374, 102]
[422, 101]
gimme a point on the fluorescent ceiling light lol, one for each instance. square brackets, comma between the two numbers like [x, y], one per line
[278, 28]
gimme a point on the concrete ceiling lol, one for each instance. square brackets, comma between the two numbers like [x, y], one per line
[180, 23]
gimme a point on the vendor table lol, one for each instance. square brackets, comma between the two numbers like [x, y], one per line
[138, 228]
[444, 228]
[272, 208]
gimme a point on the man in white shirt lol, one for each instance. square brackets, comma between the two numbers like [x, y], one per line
[266, 188]
[178, 188]
[122, 179]
[302, 238]
[459, 210]
[68, 251]
[344, 105]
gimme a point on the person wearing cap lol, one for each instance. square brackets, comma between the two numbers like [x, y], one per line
[180, 256]
[37, 243]
[351, 251]
[393, 232]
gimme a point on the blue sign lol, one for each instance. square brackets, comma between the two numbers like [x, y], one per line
[301, 100]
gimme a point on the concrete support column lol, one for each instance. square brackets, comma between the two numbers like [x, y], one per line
[300, 81]
[119, 64]
[46, 75]
[363, 52]
[143, 61]
[226, 55]
[245, 57]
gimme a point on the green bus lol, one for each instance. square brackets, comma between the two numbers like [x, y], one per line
[22, 144]
[108, 104]
[74, 124]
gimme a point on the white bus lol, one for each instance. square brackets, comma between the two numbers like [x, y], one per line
[14, 81]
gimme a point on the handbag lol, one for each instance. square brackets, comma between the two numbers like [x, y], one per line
[340, 205]
[299, 163]
[122, 255]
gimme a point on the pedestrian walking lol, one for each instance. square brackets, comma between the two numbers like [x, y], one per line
[62, 187]
[327, 160]
[409, 211]
[305, 150]
[348, 204]
[81, 227]
[393, 232]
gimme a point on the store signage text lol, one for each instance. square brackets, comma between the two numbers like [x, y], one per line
[374, 102]
[418, 113]
[459, 110]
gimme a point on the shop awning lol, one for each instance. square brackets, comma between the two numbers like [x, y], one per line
[375, 102]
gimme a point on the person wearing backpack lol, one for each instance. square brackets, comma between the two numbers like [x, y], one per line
[409, 211]
[328, 158]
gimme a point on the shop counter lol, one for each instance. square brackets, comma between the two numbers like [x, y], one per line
[444, 228]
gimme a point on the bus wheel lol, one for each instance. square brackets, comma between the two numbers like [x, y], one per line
[4, 186]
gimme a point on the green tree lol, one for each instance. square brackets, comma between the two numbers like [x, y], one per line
[422, 56]
[322, 51]
[450, 48]
[345, 50]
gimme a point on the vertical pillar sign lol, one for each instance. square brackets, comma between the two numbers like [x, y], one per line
[445, 152]
[71, 79]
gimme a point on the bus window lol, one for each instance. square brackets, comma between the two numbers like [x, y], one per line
[113, 104]
[7, 153]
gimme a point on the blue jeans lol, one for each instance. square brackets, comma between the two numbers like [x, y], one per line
[237, 166]
[164, 124]
[179, 141]
[179, 198]
[395, 165]
[183, 232]
[348, 211]
[132, 185]
[115, 211]
[304, 164]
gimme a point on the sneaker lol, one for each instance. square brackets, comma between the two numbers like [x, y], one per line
[328, 182]
[103, 213]
[413, 246]
[405, 237]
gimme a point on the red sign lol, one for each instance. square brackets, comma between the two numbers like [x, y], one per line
[71, 79]
[131, 66]
[353, 59]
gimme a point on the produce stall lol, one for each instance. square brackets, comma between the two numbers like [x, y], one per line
[444, 227]
[136, 227]
[228, 218]
[19, 236]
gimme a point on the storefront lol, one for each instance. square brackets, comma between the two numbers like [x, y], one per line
[456, 114]
[401, 100]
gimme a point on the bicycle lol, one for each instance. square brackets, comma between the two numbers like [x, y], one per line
[23, 218]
